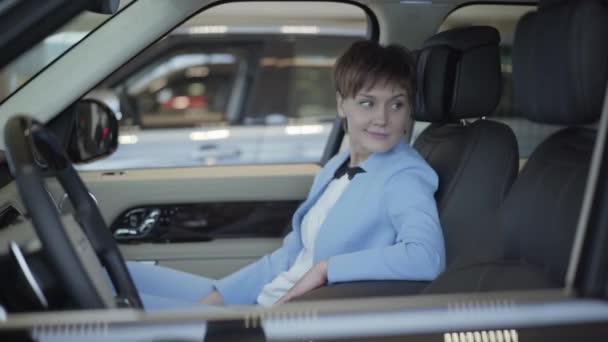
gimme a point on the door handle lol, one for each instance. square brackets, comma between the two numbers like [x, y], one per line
[145, 227]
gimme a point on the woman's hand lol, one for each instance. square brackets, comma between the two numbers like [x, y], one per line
[214, 298]
[314, 278]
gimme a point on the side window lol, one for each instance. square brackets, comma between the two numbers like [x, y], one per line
[304, 66]
[236, 84]
[504, 18]
[183, 89]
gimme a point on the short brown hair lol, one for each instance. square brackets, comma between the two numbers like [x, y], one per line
[367, 62]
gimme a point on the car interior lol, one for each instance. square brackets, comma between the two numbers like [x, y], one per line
[514, 232]
[536, 254]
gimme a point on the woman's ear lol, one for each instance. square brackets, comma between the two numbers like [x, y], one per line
[340, 105]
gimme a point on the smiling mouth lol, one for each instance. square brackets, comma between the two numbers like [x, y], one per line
[377, 134]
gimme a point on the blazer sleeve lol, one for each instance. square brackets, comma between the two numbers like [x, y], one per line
[418, 252]
[243, 286]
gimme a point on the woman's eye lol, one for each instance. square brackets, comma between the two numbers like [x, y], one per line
[366, 104]
[397, 105]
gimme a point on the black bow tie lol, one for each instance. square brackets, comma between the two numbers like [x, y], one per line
[350, 171]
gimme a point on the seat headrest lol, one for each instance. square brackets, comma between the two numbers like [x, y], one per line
[458, 75]
[560, 61]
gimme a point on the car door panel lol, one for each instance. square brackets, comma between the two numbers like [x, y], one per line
[214, 259]
[118, 191]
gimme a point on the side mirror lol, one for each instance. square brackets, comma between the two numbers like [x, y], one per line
[108, 97]
[95, 132]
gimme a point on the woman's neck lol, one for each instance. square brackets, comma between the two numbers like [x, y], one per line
[357, 158]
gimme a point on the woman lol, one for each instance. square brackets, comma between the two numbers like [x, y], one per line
[370, 214]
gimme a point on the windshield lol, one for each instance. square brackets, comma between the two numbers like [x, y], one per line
[22, 69]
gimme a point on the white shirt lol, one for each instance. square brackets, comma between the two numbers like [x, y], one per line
[311, 223]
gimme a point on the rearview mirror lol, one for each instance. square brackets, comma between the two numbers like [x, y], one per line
[95, 132]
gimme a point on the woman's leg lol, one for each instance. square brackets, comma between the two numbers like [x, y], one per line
[162, 282]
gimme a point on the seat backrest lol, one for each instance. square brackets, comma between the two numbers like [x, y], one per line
[560, 71]
[459, 78]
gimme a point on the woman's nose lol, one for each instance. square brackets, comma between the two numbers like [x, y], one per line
[380, 116]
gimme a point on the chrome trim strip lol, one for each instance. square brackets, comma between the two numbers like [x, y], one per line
[122, 324]
[434, 321]
[29, 276]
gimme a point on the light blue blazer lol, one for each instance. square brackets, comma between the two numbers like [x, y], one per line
[384, 226]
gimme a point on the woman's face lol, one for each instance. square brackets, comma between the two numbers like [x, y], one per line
[376, 119]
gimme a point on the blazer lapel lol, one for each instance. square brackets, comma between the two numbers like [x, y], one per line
[326, 176]
[341, 214]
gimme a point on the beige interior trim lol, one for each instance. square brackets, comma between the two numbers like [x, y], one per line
[118, 191]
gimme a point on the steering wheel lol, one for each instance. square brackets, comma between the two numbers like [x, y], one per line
[32, 151]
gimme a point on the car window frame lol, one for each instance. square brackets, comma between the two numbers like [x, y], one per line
[65, 52]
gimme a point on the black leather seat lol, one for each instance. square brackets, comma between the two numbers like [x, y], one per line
[560, 66]
[459, 79]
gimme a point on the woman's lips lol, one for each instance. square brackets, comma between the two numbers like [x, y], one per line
[378, 135]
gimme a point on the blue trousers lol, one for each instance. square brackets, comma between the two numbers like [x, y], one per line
[162, 288]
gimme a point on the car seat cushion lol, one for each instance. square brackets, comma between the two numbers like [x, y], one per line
[491, 276]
